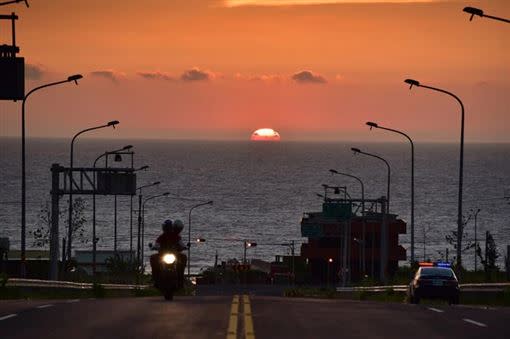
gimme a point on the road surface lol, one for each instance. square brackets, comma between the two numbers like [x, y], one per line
[245, 317]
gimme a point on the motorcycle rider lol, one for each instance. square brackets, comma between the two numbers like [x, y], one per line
[170, 240]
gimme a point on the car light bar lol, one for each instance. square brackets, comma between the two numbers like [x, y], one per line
[435, 264]
[443, 264]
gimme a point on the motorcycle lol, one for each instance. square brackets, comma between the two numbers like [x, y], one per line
[168, 280]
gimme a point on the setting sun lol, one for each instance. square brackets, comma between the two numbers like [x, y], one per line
[265, 134]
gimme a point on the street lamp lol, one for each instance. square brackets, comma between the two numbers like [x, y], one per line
[74, 78]
[143, 216]
[112, 123]
[189, 230]
[143, 168]
[333, 171]
[247, 244]
[138, 248]
[412, 83]
[476, 240]
[478, 12]
[358, 151]
[384, 228]
[291, 245]
[330, 261]
[94, 239]
[375, 125]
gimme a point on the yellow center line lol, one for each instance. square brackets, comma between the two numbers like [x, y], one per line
[249, 332]
[232, 323]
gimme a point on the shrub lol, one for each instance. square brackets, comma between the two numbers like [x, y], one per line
[98, 290]
[3, 280]
[390, 291]
[506, 296]
[361, 295]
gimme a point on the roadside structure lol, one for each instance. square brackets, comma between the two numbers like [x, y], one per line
[336, 240]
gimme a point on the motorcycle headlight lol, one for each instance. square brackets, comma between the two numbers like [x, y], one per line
[169, 258]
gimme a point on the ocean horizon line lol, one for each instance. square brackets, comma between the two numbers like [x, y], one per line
[239, 140]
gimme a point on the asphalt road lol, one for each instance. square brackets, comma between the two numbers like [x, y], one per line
[245, 317]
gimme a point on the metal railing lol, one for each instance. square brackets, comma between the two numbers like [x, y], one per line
[484, 287]
[17, 282]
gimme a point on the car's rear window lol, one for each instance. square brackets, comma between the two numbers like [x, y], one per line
[436, 271]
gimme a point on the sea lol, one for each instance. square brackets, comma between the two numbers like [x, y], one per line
[260, 191]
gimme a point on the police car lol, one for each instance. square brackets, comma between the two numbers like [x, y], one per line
[434, 280]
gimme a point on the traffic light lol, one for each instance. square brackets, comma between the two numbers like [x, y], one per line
[251, 244]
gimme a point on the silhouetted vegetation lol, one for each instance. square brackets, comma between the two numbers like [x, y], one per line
[122, 270]
[41, 233]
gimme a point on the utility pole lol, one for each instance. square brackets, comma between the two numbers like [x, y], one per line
[54, 236]
[138, 247]
[384, 242]
[244, 255]
[293, 263]
[476, 240]
[115, 225]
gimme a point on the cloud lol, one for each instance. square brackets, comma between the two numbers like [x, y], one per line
[259, 77]
[109, 75]
[34, 72]
[195, 74]
[156, 76]
[308, 77]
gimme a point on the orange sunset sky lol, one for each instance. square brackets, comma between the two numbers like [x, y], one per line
[312, 70]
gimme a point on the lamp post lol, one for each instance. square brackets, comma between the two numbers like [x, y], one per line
[143, 215]
[358, 151]
[112, 123]
[138, 247]
[72, 78]
[94, 239]
[118, 158]
[384, 230]
[478, 12]
[412, 83]
[143, 168]
[330, 261]
[291, 245]
[363, 231]
[375, 125]
[476, 240]
[189, 230]
[247, 244]
[361, 245]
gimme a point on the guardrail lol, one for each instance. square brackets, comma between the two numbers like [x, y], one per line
[486, 287]
[68, 284]
[396, 288]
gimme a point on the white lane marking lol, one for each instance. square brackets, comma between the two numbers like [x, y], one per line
[474, 322]
[73, 301]
[435, 309]
[45, 306]
[8, 316]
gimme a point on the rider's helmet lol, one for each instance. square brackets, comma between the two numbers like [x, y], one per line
[178, 226]
[167, 225]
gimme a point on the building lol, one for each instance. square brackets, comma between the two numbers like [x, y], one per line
[37, 263]
[84, 259]
[336, 246]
